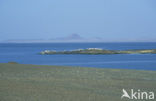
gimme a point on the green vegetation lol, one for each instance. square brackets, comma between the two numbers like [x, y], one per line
[100, 51]
[19, 82]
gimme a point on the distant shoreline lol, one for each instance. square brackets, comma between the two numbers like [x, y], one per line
[67, 42]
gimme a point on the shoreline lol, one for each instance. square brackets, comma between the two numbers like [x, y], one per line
[81, 67]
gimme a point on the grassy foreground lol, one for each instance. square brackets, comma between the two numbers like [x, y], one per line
[20, 82]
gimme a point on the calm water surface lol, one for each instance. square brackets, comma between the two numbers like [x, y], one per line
[28, 54]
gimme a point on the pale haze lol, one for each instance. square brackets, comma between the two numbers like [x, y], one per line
[78, 20]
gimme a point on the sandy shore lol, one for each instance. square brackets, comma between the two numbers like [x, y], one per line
[19, 82]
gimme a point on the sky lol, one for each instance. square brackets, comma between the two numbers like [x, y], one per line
[88, 20]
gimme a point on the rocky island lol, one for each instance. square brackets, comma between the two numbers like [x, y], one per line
[96, 51]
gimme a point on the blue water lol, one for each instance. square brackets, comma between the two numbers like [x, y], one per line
[28, 54]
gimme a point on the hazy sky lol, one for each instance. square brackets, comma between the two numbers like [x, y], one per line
[111, 20]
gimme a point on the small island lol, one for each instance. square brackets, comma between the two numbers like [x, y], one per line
[96, 51]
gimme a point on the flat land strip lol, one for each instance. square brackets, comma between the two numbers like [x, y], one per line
[19, 82]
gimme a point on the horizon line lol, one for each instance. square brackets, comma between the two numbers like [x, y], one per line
[87, 42]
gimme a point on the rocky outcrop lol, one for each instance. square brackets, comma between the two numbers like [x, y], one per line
[99, 51]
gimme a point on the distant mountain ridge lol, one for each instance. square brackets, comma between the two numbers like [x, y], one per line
[70, 38]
